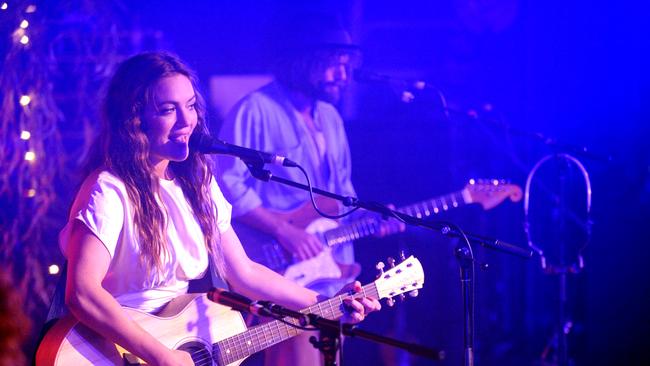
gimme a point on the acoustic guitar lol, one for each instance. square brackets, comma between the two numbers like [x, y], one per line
[213, 334]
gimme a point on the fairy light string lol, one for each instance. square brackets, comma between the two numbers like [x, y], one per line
[54, 59]
[30, 151]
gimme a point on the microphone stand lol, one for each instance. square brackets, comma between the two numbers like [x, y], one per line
[331, 331]
[409, 87]
[553, 143]
[463, 252]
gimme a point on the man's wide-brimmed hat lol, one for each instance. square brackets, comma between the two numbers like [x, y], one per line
[312, 31]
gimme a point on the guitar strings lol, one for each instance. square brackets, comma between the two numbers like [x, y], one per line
[241, 345]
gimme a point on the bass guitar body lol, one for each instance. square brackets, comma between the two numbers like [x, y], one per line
[263, 248]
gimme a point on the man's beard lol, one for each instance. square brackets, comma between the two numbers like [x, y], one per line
[329, 92]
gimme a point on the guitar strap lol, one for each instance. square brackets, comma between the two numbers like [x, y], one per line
[210, 280]
[57, 305]
[57, 308]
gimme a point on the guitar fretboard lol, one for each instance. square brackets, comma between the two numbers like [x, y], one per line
[366, 227]
[265, 335]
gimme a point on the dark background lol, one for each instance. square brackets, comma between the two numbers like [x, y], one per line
[534, 72]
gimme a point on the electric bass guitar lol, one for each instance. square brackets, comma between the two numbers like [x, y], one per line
[213, 334]
[265, 249]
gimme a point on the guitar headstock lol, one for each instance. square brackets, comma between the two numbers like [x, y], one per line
[490, 193]
[407, 276]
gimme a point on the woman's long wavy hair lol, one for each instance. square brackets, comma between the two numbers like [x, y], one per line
[123, 149]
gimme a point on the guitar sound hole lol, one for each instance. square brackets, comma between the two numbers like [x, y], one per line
[201, 355]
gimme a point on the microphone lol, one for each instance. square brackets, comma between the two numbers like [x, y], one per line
[206, 144]
[370, 77]
[366, 76]
[236, 301]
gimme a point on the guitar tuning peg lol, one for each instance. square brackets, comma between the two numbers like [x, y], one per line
[402, 256]
[391, 262]
[414, 293]
[402, 297]
[390, 302]
[380, 268]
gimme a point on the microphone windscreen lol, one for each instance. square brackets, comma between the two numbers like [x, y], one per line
[200, 142]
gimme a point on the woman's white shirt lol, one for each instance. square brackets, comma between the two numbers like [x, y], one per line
[102, 205]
